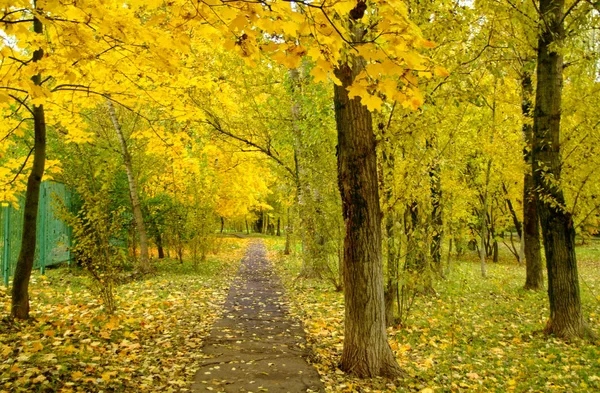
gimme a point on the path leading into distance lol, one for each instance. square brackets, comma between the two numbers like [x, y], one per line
[256, 346]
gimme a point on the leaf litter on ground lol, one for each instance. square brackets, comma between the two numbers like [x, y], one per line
[152, 342]
[473, 335]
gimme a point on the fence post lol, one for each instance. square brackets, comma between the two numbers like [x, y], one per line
[6, 240]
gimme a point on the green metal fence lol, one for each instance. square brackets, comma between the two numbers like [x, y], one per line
[53, 235]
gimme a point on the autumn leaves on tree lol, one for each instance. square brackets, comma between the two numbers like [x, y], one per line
[451, 125]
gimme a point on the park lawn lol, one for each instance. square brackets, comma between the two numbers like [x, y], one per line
[151, 343]
[474, 334]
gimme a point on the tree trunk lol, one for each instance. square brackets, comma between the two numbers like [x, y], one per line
[484, 234]
[20, 288]
[222, 224]
[366, 351]
[531, 231]
[288, 233]
[159, 246]
[566, 317]
[436, 218]
[391, 288]
[449, 256]
[387, 165]
[516, 222]
[278, 226]
[144, 264]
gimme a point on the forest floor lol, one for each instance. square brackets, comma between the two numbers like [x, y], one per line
[151, 344]
[473, 335]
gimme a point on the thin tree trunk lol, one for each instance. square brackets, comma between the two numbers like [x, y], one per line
[144, 263]
[247, 228]
[530, 240]
[366, 351]
[449, 257]
[387, 166]
[278, 226]
[566, 318]
[222, 224]
[484, 234]
[391, 288]
[436, 218]
[288, 233]
[516, 221]
[20, 288]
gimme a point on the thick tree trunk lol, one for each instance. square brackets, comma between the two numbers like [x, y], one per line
[566, 317]
[20, 288]
[366, 351]
[531, 231]
[144, 263]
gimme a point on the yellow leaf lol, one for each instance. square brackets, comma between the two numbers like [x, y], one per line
[428, 44]
[372, 102]
[37, 346]
[440, 71]
[76, 375]
[357, 89]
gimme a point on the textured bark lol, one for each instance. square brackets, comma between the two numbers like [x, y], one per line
[531, 231]
[20, 288]
[144, 262]
[366, 351]
[566, 318]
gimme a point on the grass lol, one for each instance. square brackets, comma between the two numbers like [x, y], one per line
[475, 334]
[151, 343]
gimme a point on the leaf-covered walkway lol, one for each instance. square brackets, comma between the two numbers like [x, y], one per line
[256, 346]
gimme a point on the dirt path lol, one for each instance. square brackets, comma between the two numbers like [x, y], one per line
[256, 346]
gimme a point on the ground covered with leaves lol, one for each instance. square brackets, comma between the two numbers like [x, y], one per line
[474, 334]
[152, 342]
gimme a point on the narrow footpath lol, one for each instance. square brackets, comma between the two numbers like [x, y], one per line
[256, 346]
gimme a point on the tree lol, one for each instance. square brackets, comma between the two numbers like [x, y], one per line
[531, 230]
[20, 288]
[558, 230]
[144, 263]
[366, 350]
